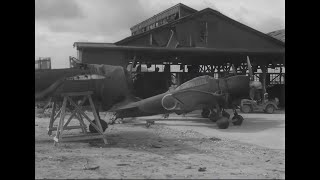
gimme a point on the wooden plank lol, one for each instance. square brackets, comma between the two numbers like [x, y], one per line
[95, 113]
[63, 113]
[66, 128]
[58, 114]
[84, 129]
[75, 138]
[84, 115]
[75, 111]
[52, 119]
[77, 93]
[97, 119]
[82, 135]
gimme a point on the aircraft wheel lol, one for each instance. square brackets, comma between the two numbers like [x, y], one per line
[225, 114]
[269, 109]
[213, 116]
[205, 113]
[223, 123]
[237, 120]
[246, 109]
[103, 124]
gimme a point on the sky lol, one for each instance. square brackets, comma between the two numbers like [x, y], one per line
[60, 23]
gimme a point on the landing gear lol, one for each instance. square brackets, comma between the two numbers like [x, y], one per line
[213, 116]
[205, 113]
[221, 117]
[225, 114]
[237, 119]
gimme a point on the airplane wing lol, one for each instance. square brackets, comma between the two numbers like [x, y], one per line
[185, 100]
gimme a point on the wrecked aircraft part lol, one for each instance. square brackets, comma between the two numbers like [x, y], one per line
[110, 84]
[49, 90]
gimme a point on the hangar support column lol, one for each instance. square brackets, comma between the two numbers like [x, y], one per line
[264, 70]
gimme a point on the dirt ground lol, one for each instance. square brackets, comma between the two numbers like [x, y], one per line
[135, 151]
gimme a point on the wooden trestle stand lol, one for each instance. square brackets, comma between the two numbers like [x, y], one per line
[78, 113]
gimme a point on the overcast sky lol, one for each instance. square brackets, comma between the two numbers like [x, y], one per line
[60, 23]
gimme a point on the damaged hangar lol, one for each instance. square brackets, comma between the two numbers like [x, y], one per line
[181, 43]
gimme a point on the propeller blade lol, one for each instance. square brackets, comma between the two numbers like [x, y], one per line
[251, 93]
[249, 68]
[234, 70]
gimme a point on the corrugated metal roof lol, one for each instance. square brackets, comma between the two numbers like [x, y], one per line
[80, 45]
[279, 34]
[190, 55]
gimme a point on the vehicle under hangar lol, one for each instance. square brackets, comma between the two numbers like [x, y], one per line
[183, 43]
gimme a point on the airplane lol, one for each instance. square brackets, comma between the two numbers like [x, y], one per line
[112, 87]
[203, 92]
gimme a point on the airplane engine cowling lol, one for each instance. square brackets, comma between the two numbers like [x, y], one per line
[168, 102]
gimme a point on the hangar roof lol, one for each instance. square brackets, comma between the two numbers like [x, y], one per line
[279, 34]
[187, 55]
[196, 14]
[111, 46]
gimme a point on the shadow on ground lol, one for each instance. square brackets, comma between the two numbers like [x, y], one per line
[249, 125]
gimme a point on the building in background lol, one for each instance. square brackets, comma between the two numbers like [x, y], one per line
[43, 63]
[200, 35]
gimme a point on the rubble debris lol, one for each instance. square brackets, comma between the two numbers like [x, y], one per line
[165, 116]
[86, 167]
[91, 168]
[215, 139]
[123, 164]
[156, 146]
[202, 169]
[149, 123]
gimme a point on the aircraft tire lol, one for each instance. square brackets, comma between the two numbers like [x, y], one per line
[269, 109]
[237, 120]
[223, 123]
[103, 124]
[205, 113]
[246, 109]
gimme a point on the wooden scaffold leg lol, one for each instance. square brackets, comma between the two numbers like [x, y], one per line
[78, 113]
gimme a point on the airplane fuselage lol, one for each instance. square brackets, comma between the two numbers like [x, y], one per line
[235, 87]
